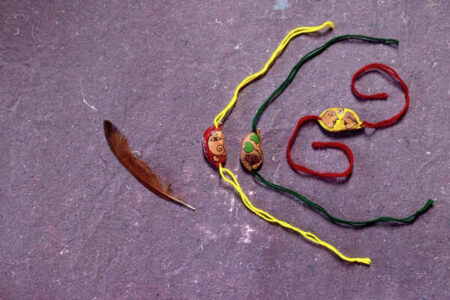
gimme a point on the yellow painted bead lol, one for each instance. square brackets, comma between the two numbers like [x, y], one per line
[340, 119]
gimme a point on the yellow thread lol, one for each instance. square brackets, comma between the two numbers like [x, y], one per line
[269, 218]
[295, 32]
[223, 172]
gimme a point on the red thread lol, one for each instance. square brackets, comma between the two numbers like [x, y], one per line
[394, 74]
[319, 145]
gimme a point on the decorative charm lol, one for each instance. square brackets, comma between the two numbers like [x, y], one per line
[214, 146]
[336, 122]
[252, 155]
[340, 119]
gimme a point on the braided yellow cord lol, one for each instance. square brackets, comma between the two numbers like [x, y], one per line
[295, 32]
[269, 218]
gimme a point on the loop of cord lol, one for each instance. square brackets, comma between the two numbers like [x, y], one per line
[318, 145]
[292, 34]
[392, 73]
[229, 177]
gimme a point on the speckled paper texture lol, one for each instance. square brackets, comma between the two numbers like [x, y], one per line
[74, 224]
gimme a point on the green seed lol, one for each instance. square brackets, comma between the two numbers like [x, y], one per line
[255, 138]
[248, 147]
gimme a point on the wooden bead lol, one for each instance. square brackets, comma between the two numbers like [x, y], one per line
[252, 154]
[339, 119]
[214, 146]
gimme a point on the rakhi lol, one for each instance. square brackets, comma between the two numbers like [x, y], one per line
[333, 120]
[215, 151]
[345, 119]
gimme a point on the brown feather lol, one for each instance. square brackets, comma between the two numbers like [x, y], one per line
[139, 169]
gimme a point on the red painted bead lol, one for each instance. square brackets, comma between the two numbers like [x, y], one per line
[214, 146]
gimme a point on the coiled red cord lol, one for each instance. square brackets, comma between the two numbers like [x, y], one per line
[335, 145]
[319, 145]
[390, 71]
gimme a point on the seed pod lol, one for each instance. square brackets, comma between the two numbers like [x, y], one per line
[252, 154]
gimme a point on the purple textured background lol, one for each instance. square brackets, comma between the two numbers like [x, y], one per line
[75, 225]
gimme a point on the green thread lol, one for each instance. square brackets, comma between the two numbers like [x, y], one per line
[308, 57]
[358, 224]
